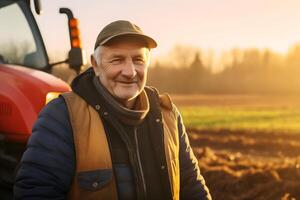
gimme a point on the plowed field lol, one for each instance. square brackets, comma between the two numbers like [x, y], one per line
[254, 153]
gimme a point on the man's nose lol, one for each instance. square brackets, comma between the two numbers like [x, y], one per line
[129, 69]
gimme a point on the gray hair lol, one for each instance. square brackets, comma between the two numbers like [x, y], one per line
[97, 54]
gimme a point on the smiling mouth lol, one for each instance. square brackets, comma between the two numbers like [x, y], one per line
[127, 82]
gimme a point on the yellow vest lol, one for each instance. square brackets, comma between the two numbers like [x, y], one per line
[92, 149]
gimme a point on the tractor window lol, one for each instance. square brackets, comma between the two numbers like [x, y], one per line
[17, 42]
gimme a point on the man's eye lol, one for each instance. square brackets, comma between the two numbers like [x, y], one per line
[139, 61]
[116, 61]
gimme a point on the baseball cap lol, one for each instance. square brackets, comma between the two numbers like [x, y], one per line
[123, 28]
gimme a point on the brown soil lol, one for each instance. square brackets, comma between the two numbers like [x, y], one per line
[243, 165]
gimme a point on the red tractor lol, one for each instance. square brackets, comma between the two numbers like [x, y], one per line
[26, 85]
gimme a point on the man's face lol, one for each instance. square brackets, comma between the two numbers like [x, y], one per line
[122, 69]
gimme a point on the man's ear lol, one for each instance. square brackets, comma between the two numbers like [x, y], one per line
[93, 61]
[94, 64]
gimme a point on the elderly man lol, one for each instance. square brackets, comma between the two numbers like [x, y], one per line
[111, 137]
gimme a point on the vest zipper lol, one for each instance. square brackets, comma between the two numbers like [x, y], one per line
[139, 162]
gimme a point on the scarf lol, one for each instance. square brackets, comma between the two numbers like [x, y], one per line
[127, 116]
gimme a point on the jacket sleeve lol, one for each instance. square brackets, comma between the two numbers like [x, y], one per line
[192, 184]
[47, 166]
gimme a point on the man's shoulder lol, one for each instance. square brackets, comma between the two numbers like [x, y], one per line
[55, 114]
[56, 106]
[164, 99]
[166, 102]
[57, 102]
[53, 124]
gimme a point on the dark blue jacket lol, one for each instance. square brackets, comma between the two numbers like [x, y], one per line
[48, 164]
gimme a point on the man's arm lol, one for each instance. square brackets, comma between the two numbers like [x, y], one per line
[48, 164]
[192, 184]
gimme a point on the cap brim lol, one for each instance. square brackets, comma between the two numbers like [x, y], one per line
[150, 42]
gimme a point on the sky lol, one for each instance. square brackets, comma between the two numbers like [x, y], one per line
[217, 25]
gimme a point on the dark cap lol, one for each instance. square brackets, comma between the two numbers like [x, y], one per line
[123, 28]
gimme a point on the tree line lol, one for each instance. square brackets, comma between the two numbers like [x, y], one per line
[249, 71]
